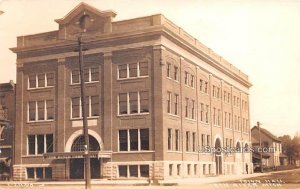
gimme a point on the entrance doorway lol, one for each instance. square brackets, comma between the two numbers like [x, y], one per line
[218, 157]
[77, 166]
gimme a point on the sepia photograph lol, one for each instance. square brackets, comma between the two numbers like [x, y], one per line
[149, 94]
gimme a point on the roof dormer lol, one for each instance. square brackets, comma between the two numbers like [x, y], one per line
[95, 21]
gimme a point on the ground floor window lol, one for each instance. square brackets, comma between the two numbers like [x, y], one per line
[133, 171]
[39, 173]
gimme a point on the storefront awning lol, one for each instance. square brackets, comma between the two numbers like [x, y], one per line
[79, 154]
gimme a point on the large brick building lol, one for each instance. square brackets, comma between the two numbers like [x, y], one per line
[155, 96]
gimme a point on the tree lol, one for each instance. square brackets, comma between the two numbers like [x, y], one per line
[287, 147]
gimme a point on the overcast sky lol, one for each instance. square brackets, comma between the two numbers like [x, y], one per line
[262, 38]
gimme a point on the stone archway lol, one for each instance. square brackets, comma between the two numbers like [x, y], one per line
[218, 156]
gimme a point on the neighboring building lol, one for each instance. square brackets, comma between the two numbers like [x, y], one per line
[155, 95]
[7, 122]
[270, 148]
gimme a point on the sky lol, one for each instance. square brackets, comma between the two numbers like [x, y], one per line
[261, 38]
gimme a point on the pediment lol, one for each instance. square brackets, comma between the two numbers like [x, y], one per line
[98, 21]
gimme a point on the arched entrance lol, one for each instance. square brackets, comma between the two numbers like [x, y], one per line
[77, 164]
[218, 157]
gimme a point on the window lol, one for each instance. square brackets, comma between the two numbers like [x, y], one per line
[169, 139]
[192, 81]
[206, 87]
[144, 137]
[214, 91]
[219, 117]
[214, 116]
[228, 98]
[40, 110]
[201, 85]
[143, 69]
[92, 107]
[225, 119]
[225, 96]
[90, 75]
[178, 169]
[31, 144]
[169, 102]
[193, 109]
[235, 122]
[122, 103]
[176, 104]
[229, 120]
[177, 140]
[123, 171]
[201, 112]
[133, 102]
[186, 78]
[133, 70]
[186, 107]
[194, 141]
[30, 173]
[168, 70]
[189, 169]
[203, 140]
[176, 73]
[206, 114]
[144, 170]
[218, 93]
[123, 140]
[133, 171]
[39, 172]
[133, 139]
[195, 169]
[134, 142]
[40, 80]
[208, 140]
[39, 144]
[187, 141]
[122, 72]
[170, 169]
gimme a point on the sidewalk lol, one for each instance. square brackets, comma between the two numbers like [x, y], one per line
[168, 182]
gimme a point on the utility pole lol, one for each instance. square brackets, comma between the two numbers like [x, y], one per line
[83, 23]
[84, 117]
[261, 155]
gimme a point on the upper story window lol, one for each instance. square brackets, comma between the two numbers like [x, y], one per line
[203, 86]
[189, 79]
[216, 92]
[39, 144]
[40, 110]
[133, 139]
[90, 75]
[132, 70]
[133, 102]
[176, 77]
[92, 107]
[42, 80]
[168, 70]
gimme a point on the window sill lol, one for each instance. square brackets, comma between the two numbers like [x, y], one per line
[172, 151]
[40, 121]
[204, 123]
[189, 119]
[77, 119]
[90, 82]
[132, 78]
[173, 115]
[39, 88]
[217, 126]
[127, 115]
[32, 156]
[204, 93]
[229, 129]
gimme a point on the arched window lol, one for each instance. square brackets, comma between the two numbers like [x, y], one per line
[78, 144]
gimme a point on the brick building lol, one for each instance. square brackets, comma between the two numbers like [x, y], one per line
[155, 96]
[7, 122]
